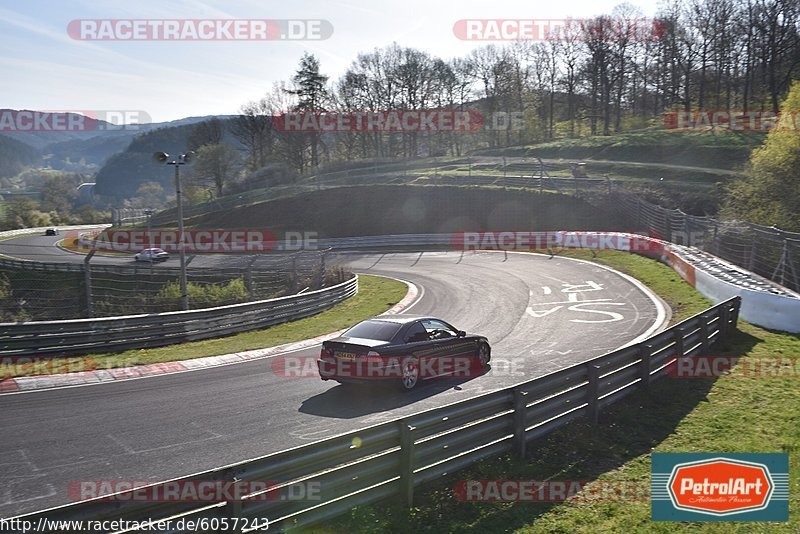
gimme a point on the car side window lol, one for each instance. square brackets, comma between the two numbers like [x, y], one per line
[438, 329]
[416, 333]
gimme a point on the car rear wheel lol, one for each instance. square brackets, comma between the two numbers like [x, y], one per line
[484, 354]
[410, 376]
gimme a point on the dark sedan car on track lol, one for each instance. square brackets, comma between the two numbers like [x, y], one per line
[404, 350]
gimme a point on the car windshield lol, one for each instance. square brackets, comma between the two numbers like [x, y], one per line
[379, 330]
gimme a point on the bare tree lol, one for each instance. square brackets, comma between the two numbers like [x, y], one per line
[568, 45]
[216, 165]
[208, 132]
[253, 127]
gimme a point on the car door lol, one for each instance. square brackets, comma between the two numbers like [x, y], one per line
[418, 343]
[461, 346]
[452, 353]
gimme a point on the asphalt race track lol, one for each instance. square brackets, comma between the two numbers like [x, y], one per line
[536, 312]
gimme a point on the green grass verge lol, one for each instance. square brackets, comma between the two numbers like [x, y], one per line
[375, 295]
[724, 415]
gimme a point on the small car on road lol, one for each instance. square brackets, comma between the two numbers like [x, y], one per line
[152, 254]
[51, 231]
[404, 350]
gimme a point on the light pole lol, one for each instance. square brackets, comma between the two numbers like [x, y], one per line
[149, 214]
[182, 159]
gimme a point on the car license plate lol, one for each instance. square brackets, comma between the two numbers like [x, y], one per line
[346, 355]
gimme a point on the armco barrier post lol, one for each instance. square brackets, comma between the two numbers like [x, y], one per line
[87, 280]
[735, 315]
[520, 407]
[724, 317]
[593, 392]
[646, 354]
[704, 339]
[406, 462]
[680, 336]
[233, 509]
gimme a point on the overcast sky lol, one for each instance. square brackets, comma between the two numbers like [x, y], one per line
[46, 69]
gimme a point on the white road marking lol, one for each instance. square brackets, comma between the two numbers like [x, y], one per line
[542, 313]
[614, 315]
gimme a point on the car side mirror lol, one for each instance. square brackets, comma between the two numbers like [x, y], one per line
[461, 333]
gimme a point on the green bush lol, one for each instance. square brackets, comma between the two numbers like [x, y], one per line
[203, 295]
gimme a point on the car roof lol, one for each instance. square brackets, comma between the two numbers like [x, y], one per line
[401, 319]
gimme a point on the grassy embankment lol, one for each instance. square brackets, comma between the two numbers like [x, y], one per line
[697, 415]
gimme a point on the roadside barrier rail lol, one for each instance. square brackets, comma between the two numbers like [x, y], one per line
[391, 459]
[79, 336]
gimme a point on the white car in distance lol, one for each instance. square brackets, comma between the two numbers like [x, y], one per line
[152, 254]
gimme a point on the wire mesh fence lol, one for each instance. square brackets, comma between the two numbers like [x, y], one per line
[519, 172]
[767, 251]
[103, 290]
[27, 295]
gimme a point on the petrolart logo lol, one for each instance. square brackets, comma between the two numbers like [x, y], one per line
[720, 487]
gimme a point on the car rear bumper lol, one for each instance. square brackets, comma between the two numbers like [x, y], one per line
[358, 371]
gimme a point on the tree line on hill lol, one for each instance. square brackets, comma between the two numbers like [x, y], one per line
[598, 76]
[16, 156]
[604, 75]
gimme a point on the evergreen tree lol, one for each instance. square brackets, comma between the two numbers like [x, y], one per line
[312, 96]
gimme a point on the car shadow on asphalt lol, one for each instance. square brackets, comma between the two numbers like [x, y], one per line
[348, 401]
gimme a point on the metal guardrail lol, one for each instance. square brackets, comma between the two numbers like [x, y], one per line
[31, 265]
[78, 336]
[42, 229]
[386, 241]
[392, 458]
[43, 266]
